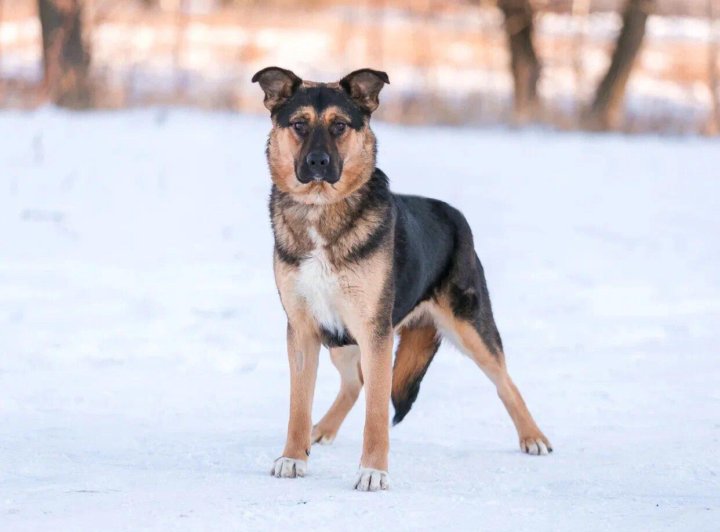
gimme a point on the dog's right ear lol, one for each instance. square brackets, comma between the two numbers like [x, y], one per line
[278, 84]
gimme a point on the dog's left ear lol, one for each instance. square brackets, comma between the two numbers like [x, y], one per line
[364, 86]
[278, 84]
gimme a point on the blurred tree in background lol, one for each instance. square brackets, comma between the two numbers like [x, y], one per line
[65, 56]
[524, 62]
[606, 109]
[713, 13]
[569, 63]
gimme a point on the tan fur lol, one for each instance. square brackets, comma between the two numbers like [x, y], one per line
[464, 335]
[330, 221]
[347, 361]
[283, 145]
[362, 293]
[356, 149]
[376, 364]
[417, 345]
[418, 333]
[303, 351]
[418, 316]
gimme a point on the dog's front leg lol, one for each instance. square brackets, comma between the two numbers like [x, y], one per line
[303, 350]
[376, 363]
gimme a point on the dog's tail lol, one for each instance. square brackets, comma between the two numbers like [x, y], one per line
[416, 349]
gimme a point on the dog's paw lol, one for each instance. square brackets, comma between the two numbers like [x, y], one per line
[288, 468]
[322, 436]
[372, 480]
[536, 444]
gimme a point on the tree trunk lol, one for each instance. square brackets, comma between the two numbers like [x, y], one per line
[606, 109]
[524, 62]
[65, 58]
[713, 78]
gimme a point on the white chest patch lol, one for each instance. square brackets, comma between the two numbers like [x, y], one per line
[319, 286]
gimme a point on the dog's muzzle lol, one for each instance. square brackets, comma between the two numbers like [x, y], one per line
[317, 167]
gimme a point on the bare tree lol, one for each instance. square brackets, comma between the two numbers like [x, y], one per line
[65, 56]
[713, 81]
[2, 12]
[524, 62]
[606, 109]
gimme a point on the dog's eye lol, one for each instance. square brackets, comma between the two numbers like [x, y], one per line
[300, 127]
[338, 128]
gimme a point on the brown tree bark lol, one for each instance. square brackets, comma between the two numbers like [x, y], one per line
[713, 10]
[524, 62]
[65, 56]
[606, 109]
[2, 12]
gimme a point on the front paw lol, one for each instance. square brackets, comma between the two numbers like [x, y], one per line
[288, 468]
[372, 480]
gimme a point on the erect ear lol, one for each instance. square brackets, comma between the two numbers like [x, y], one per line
[278, 84]
[363, 86]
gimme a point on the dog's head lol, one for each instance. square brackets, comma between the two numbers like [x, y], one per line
[321, 148]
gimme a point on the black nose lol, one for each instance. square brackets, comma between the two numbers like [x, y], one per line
[318, 160]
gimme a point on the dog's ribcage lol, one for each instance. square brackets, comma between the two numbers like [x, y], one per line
[319, 286]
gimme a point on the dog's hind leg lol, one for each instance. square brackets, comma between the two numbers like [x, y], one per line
[347, 361]
[477, 336]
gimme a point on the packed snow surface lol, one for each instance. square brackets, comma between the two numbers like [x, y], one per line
[143, 374]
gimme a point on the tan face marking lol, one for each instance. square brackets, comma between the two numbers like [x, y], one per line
[306, 113]
[282, 148]
[356, 149]
[333, 114]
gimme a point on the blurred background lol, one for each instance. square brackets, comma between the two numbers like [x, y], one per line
[629, 65]
[143, 368]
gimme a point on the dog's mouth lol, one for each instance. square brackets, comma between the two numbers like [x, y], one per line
[319, 186]
[317, 192]
[317, 181]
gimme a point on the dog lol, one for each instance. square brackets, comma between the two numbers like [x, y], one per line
[356, 265]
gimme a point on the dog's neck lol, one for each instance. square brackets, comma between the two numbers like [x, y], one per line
[338, 227]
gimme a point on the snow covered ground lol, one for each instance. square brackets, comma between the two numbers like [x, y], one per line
[143, 380]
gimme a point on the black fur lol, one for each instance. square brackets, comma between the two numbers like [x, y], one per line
[433, 252]
[333, 339]
[320, 98]
[373, 242]
[286, 256]
[375, 195]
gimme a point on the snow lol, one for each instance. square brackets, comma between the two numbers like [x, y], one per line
[143, 379]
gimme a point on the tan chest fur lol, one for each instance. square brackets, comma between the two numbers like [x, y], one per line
[320, 270]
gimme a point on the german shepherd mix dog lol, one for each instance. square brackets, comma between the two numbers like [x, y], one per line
[356, 264]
